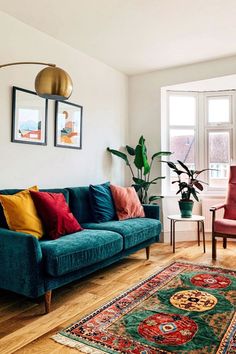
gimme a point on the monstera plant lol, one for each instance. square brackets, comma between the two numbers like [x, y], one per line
[143, 166]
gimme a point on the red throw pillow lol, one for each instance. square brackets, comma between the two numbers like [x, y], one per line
[55, 214]
[126, 202]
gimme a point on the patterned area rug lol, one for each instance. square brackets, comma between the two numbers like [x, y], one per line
[185, 308]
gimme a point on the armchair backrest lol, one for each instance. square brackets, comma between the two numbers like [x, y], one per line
[230, 204]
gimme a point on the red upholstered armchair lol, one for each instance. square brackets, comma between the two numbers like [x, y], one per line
[225, 227]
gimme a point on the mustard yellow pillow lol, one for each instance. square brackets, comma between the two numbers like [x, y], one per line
[21, 214]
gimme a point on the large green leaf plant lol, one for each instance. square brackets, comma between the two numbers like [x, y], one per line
[142, 179]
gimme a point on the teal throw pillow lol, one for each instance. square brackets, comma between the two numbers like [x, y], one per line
[101, 202]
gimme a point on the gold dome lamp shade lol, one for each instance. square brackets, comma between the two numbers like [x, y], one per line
[52, 82]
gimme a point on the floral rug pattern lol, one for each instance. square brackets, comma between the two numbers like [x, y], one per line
[185, 308]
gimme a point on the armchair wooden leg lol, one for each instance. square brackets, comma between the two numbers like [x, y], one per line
[224, 242]
[214, 241]
[148, 252]
[47, 300]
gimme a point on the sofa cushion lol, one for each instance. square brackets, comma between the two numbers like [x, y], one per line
[80, 204]
[21, 214]
[101, 202]
[3, 222]
[134, 231]
[79, 250]
[127, 202]
[55, 214]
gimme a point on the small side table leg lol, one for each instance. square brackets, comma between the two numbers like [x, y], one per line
[198, 233]
[173, 236]
[171, 231]
[203, 236]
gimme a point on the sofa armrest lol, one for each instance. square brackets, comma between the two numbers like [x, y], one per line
[151, 211]
[20, 263]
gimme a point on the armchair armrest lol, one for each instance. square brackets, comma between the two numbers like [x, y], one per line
[151, 211]
[217, 207]
[20, 263]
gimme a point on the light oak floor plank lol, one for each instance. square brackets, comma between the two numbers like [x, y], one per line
[25, 330]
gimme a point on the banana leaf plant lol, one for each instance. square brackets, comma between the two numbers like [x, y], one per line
[142, 179]
[193, 184]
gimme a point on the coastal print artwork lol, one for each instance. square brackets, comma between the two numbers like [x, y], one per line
[29, 117]
[68, 125]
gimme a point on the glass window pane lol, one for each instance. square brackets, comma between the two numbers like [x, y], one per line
[219, 158]
[182, 110]
[219, 110]
[182, 144]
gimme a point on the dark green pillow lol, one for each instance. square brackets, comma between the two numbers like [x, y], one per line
[101, 202]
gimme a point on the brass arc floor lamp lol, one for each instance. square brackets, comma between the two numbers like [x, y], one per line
[52, 82]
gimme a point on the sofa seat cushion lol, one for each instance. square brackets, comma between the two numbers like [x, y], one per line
[133, 231]
[79, 250]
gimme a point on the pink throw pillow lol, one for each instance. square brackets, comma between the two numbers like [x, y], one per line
[126, 202]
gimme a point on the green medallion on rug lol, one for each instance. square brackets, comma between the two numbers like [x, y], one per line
[185, 308]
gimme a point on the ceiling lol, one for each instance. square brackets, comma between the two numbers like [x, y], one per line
[136, 36]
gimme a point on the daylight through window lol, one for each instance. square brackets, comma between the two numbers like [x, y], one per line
[201, 127]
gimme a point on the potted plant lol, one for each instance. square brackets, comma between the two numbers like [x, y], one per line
[142, 180]
[188, 187]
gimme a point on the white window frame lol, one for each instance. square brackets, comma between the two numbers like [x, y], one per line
[202, 129]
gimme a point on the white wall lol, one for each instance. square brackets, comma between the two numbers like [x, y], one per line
[145, 113]
[101, 90]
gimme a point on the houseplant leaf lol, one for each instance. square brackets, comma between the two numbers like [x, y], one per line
[119, 154]
[161, 153]
[184, 167]
[141, 160]
[155, 197]
[130, 150]
[198, 185]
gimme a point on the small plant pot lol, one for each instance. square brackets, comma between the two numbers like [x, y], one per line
[186, 208]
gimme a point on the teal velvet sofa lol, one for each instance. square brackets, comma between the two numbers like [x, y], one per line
[33, 267]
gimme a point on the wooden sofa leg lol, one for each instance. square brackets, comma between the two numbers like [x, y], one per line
[213, 247]
[47, 300]
[224, 242]
[148, 252]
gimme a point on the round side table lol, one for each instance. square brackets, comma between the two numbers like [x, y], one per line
[195, 218]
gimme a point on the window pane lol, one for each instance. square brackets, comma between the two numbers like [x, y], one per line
[182, 145]
[218, 110]
[182, 110]
[219, 158]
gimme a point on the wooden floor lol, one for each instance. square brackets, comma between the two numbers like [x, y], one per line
[24, 329]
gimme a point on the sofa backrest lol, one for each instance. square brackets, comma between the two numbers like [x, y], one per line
[3, 222]
[80, 204]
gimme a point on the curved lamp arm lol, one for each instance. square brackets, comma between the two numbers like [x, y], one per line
[51, 82]
[27, 62]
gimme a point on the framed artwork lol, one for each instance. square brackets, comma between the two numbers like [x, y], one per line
[29, 117]
[68, 125]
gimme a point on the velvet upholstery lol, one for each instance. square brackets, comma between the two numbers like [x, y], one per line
[80, 204]
[3, 222]
[226, 226]
[21, 263]
[25, 261]
[55, 214]
[79, 250]
[101, 202]
[133, 231]
[126, 202]
[230, 204]
[55, 282]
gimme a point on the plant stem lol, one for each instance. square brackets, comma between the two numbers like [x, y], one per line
[131, 170]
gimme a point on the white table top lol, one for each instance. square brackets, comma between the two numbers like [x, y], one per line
[193, 218]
